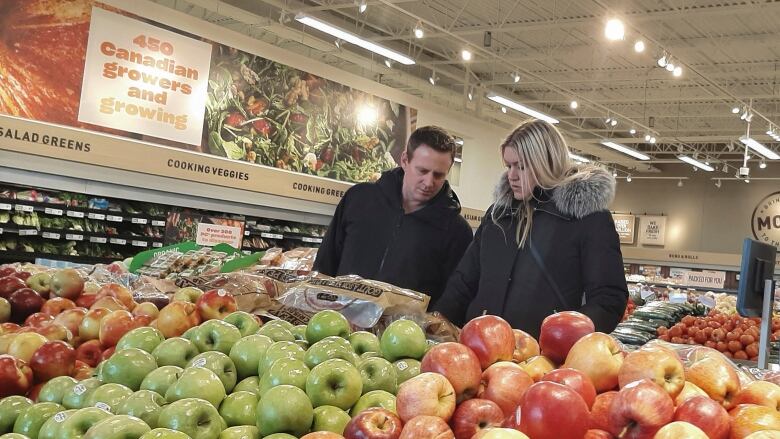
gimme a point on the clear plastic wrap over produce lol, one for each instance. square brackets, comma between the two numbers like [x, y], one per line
[691, 353]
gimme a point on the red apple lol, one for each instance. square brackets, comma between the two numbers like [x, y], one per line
[474, 415]
[114, 326]
[118, 292]
[23, 275]
[639, 410]
[71, 319]
[82, 371]
[90, 352]
[9, 327]
[57, 305]
[689, 391]
[658, 364]
[38, 319]
[599, 356]
[764, 434]
[560, 331]
[553, 411]
[53, 359]
[89, 329]
[321, 435]
[426, 394]
[750, 418]
[706, 414]
[505, 386]
[148, 309]
[86, 300]
[9, 284]
[176, 318]
[576, 380]
[678, 429]
[599, 413]
[457, 363]
[490, 337]
[525, 346]
[598, 434]
[7, 270]
[25, 301]
[111, 303]
[34, 392]
[216, 304]
[426, 427]
[54, 331]
[107, 353]
[16, 377]
[717, 378]
[537, 367]
[67, 283]
[760, 393]
[499, 433]
[374, 423]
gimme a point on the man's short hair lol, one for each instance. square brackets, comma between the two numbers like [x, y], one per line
[436, 138]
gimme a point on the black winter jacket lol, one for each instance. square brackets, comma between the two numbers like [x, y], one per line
[371, 236]
[576, 240]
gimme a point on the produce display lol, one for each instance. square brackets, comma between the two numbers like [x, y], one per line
[645, 321]
[81, 359]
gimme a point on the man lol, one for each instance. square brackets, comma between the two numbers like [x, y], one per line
[406, 228]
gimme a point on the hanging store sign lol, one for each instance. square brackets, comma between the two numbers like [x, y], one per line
[652, 230]
[625, 226]
[705, 279]
[766, 220]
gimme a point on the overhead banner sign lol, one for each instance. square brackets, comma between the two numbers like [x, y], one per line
[625, 226]
[141, 78]
[766, 220]
[652, 230]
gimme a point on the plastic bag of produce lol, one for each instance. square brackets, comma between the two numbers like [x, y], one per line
[689, 354]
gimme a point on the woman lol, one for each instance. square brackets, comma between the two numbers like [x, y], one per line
[547, 244]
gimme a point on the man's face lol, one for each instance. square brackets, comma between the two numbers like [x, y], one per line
[424, 173]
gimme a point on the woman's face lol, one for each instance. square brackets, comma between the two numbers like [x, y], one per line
[520, 177]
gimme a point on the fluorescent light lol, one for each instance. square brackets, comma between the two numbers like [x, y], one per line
[639, 46]
[735, 110]
[614, 30]
[759, 148]
[574, 105]
[694, 162]
[625, 150]
[579, 158]
[418, 31]
[465, 55]
[632, 131]
[521, 108]
[471, 96]
[354, 39]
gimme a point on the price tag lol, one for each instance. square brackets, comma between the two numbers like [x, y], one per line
[707, 301]
[157, 244]
[1, 230]
[271, 236]
[50, 235]
[678, 297]
[98, 239]
[402, 365]
[24, 208]
[74, 237]
[96, 216]
[246, 252]
[314, 240]
[74, 214]
[140, 244]
[50, 211]
[28, 232]
[139, 220]
[5, 206]
[114, 218]
[158, 223]
[118, 241]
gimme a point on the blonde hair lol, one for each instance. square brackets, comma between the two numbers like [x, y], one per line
[542, 150]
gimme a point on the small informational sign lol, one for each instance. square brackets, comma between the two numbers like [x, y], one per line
[705, 279]
[204, 229]
[213, 234]
[652, 230]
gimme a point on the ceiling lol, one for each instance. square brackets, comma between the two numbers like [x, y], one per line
[729, 52]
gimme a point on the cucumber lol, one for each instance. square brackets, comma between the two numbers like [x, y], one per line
[643, 326]
[655, 322]
[634, 333]
[629, 339]
[654, 314]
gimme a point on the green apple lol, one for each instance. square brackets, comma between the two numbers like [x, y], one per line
[364, 341]
[239, 409]
[143, 404]
[370, 355]
[164, 433]
[40, 282]
[51, 427]
[160, 379]
[403, 339]
[284, 371]
[327, 323]
[280, 436]
[246, 323]
[190, 333]
[329, 348]
[187, 294]
[241, 432]
[216, 335]
[76, 397]
[175, 351]
[128, 367]
[31, 419]
[329, 418]
[334, 382]
[10, 408]
[275, 332]
[193, 416]
[197, 382]
[377, 374]
[247, 352]
[374, 398]
[13, 435]
[284, 409]
[280, 349]
[405, 369]
[77, 425]
[118, 427]
[109, 396]
[248, 384]
[145, 338]
[299, 332]
[303, 344]
[56, 388]
[220, 364]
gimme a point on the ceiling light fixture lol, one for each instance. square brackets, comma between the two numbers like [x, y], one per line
[680, 183]
[677, 71]
[696, 163]
[662, 61]
[652, 139]
[735, 110]
[639, 46]
[389, 63]
[418, 31]
[614, 122]
[762, 164]
[669, 67]
[353, 39]
[747, 180]
[579, 158]
[516, 77]
[615, 29]
[574, 105]
[465, 55]
[608, 120]
[337, 43]
[632, 131]
[614, 173]
[471, 94]
[362, 6]
[759, 148]
[503, 109]
[625, 150]
[647, 137]
[628, 178]
[718, 183]
[432, 78]
[521, 108]
[725, 167]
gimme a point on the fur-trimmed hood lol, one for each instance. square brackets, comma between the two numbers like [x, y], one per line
[588, 189]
